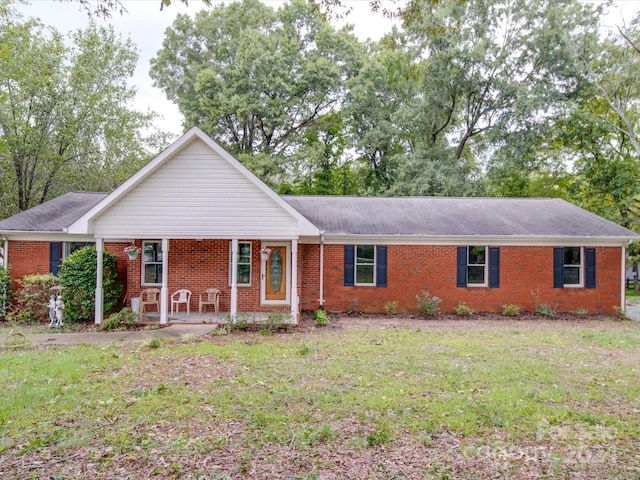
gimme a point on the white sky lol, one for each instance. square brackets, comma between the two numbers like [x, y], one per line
[145, 25]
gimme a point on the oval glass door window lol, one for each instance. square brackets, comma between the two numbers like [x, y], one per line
[275, 271]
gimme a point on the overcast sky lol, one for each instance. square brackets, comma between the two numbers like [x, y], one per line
[145, 24]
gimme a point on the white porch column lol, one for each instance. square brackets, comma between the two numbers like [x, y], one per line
[4, 258]
[294, 280]
[99, 298]
[233, 310]
[164, 290]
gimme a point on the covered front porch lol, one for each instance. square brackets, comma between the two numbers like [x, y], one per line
[254, 278]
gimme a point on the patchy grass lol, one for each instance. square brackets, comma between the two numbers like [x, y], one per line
[466, 399]
[633, 298]
[68, 327]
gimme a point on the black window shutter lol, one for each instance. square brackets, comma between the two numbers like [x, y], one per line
[381, 266]
[55, 256]
[558, 267]
[349, 264]
[462, 267]
[494, 267]
[590, 262]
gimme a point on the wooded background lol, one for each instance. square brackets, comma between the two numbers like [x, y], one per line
[466, 98]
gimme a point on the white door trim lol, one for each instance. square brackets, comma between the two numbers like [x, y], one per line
[263, 274]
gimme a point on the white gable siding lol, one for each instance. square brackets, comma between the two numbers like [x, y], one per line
[196, 193]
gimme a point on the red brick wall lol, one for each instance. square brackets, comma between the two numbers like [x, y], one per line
[308, 276]
[413, 269]
[27, 258]
[32, 257]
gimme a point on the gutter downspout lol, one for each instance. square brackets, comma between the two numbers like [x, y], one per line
[623, 278]
[321, 299]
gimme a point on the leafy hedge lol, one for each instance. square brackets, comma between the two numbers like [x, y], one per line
[32, 299]
[78, 277]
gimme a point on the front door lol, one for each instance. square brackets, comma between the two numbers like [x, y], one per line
[275, 274]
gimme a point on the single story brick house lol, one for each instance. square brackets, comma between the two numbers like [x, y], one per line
[201, 220]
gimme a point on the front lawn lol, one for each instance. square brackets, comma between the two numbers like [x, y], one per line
[358, 399]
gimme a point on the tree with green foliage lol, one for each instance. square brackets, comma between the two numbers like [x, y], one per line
[497, 75]
[78, 277]
[65, 123]
[258, 79]
[375, 99]
[599, 138]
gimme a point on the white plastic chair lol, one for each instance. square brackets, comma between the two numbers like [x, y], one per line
[180, 296]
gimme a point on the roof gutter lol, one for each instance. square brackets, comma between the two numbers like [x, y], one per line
[523, 240]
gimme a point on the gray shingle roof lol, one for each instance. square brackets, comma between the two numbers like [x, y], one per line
[447, 216]
[54, 215]
[412, 216]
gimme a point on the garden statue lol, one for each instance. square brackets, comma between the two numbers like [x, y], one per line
[52, 311]
[56, 308]
[59, 310]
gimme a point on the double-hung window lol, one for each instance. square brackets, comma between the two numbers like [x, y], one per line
[574, 267]
[365, 265]
[244, 263]
[151, 263]
[478, 266]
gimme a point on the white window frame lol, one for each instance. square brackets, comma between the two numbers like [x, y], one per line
[250, 263]
[66, 247]
[486, 266]
[356, 264]
[579, 266]
[143, 264]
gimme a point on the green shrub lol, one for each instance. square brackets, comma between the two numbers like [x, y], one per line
[122, 320]
[580, 312]
[545, 310]
[428, 305]
[463, 310]
[78, 277]
[239, 324]
[510, 310]
[276, 321]
[32, 299]
[5, 292]
[391, 307]
[321, 318]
